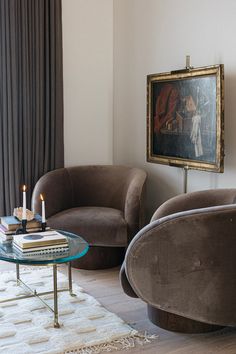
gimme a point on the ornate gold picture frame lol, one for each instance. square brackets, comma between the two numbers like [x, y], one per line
[185, 118]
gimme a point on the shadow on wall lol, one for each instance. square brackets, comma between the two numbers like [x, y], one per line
[230, 122]
[158, 190]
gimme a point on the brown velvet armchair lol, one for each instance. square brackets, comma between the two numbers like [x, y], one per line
[103, 204]
[183, 263]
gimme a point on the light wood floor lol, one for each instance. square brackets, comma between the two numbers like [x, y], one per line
[104, 286]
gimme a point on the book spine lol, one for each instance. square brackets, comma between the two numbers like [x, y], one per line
[36, 249]
[39, 252]
[12, 233]
[4, 237]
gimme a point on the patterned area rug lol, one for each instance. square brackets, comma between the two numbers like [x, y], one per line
[26, 326]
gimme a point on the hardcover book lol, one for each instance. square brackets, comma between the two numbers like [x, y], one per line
[4, 237]
[39, 239]
[45, 249]
[44, 254]
[11, 223]
[4, 230]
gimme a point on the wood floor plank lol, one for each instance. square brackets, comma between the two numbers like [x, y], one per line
[104, 285]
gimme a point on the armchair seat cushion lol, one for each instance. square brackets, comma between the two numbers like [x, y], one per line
[99, 226]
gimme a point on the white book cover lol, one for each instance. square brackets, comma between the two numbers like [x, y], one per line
[46, 238]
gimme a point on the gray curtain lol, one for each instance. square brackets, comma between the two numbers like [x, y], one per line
[31, 95]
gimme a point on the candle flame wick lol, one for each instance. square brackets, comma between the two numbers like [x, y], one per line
[41, 197]
[24, 188]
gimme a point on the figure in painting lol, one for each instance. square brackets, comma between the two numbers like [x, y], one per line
[195, 135]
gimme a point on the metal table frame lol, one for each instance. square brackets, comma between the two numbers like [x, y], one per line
[34, 292]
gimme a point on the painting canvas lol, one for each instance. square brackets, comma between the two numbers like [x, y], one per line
[185, 118]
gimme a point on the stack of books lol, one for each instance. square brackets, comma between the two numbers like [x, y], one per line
[40, 243]
[9, 225]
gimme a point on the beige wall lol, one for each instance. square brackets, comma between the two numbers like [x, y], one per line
[88, 81]
[152, 36]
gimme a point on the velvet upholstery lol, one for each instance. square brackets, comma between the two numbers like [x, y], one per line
[183, 262]
[110, 223]
[101, 203]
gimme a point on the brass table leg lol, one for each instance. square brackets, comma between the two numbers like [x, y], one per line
[18, 274]
[55, 291]
[70, 280]
[56, 323]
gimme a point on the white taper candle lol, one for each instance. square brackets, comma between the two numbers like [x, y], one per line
[43, 208]
[24, 203]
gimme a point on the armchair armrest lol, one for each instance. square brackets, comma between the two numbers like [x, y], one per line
[56, 189]
[185, 264]
[195, 200]
[125, 282]
[134, 206]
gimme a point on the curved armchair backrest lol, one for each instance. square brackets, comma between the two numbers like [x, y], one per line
[102, 186]
[57, 191]
[195, 200]
[185, 264]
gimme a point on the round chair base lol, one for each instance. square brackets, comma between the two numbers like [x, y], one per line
[176, 323]
[100, 258]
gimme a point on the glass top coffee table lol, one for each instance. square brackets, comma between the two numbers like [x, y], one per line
[78, 247]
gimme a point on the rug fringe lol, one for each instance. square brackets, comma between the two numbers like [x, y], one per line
[124, 343]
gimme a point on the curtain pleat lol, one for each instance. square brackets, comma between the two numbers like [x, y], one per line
[31, 95]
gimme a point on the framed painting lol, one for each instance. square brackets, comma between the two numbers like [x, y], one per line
[185, 118]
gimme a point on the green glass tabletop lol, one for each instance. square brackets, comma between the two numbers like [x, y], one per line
[78, 247]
